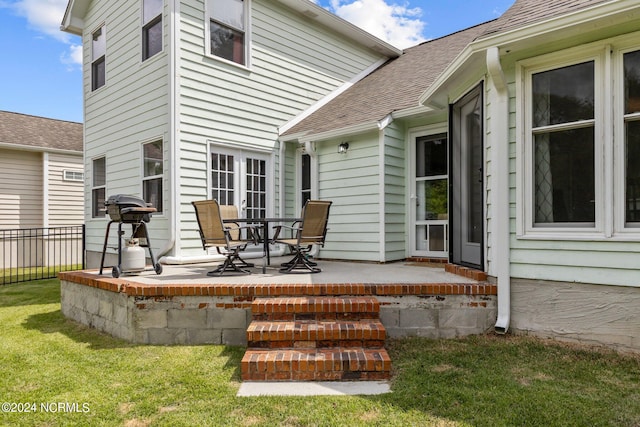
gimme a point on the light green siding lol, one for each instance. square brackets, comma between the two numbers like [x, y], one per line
[293, 64]
[394, 192]
[130, 109]
[352, 182]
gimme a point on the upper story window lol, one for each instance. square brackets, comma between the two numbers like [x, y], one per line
[151, 28]
[227, 29]
[152, 174]
[98, 187]
[98, 55]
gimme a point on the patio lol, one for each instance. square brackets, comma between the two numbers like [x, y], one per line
[185, 306]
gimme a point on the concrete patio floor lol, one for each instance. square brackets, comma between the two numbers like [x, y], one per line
[332, 272]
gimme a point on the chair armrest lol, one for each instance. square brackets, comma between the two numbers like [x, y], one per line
[280, 227]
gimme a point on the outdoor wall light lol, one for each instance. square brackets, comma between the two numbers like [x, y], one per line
[343, 147]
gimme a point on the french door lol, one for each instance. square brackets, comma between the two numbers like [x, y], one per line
[467, 181]
[241, 178]
[430, 199]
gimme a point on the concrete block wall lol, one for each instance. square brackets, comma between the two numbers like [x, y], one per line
[214, 315]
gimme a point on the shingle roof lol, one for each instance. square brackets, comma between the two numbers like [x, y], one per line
[396, 85]
[525, 12]
[399, 83]
[22, 129]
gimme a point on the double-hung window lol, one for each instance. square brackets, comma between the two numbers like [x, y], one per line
[98, 57]
[580, 154]
[151, 27]
[98, 187]
[227, 29]
[152, 174]
[631, 118]
[563, 145]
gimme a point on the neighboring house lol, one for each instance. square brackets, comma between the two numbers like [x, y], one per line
[41, 172]
[41, 178]
[512, 147]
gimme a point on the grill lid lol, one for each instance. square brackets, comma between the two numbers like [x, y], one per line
[125, 200]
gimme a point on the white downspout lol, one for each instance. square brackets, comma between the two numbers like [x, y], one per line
[500, 190]
[173, 220]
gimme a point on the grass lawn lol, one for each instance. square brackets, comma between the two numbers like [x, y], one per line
[67, 374]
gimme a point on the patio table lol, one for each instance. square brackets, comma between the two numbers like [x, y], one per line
[264, 224]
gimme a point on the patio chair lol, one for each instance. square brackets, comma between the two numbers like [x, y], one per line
[310, 231]
[214, 234]
[228, 213]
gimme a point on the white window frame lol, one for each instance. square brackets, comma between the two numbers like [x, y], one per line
[621, 230]
[146, 25]
[247, 35]
[240, 154]
[413, 134]
[72, 175]
[153, 177]
[98, 57]
[609, 141]
[95, 187]
[313, 177]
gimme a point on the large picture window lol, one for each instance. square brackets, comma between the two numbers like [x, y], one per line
[227, 34]
[152, 174]
[151, 28]
[98, 58]
[98, 187]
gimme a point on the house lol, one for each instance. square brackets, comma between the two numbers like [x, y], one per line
[41, 177]
[510, 147]
[41, 172]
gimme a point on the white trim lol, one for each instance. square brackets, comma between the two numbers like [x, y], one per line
[381, 198]
[247, 36]
[411, 197]
[526, 69]
[45, 190]
[20, 147]
[538, 32]
[609, 135]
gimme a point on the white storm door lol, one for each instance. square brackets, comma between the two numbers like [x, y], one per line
[430, 201]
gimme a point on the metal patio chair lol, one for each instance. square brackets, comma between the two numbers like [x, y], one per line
[312, 230]
[215, 234]
[229, 213]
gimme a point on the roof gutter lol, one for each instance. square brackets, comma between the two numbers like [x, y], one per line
[499, 99]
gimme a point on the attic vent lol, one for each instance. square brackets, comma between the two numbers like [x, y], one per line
[69, 175]
[310, 14]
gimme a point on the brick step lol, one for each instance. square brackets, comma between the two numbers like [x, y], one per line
[335, 364]
[316, 334]
[315, 308]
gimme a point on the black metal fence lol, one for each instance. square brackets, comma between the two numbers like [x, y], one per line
[40, 253]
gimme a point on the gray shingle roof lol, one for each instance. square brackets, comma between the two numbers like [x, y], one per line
[33, 131]
[399, 83]
[396, 85]
[525, 12]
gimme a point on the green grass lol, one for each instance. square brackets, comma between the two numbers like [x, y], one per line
[25, 274]
[477, 381]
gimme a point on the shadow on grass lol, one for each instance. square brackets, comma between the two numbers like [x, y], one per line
[46, 291]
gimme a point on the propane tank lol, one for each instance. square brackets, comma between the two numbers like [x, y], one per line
[133, 259]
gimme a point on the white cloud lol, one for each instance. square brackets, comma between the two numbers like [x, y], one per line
[45, 16]
[397, 24]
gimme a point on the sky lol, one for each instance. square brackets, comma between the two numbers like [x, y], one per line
[40, 66]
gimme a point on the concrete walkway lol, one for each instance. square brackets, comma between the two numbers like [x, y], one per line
[313, 388]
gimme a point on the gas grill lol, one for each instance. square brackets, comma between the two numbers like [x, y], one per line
[125, 209]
